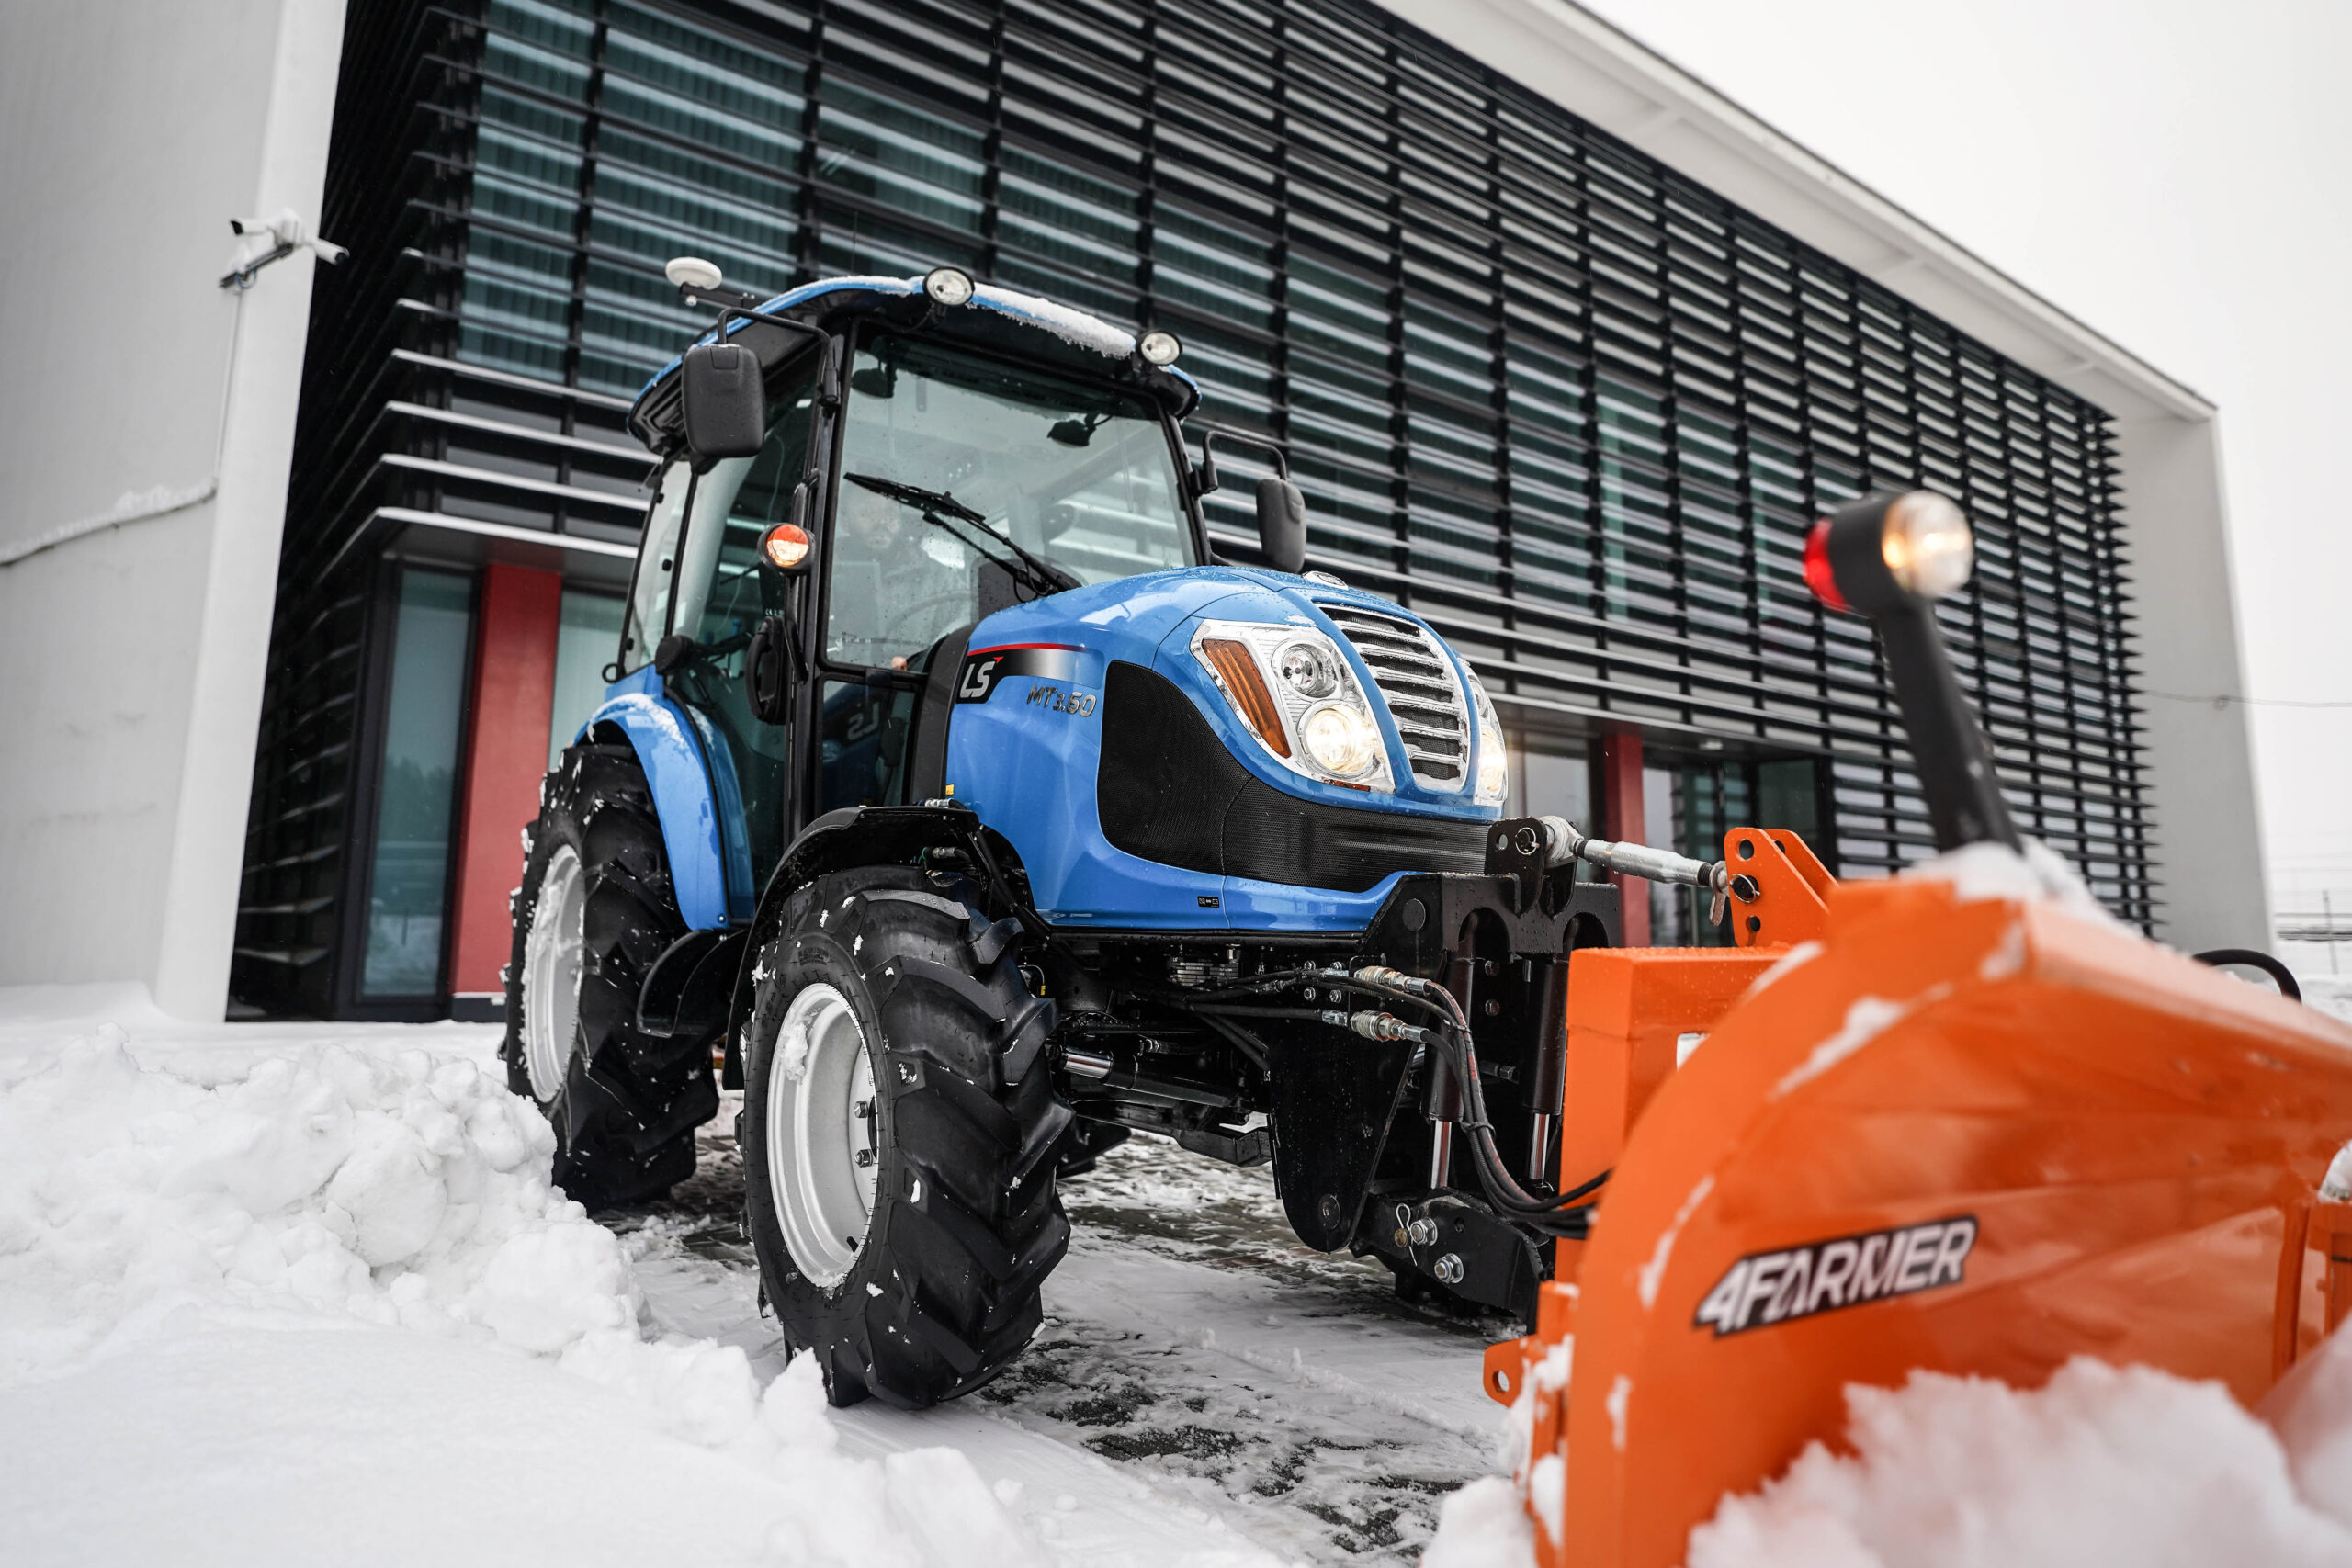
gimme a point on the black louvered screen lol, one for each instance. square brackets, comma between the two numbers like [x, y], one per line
[1573, 408]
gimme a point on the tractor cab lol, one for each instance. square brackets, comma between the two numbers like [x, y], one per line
[855, 474]
[952, 792]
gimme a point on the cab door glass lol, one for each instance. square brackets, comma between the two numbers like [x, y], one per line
[723, 596]
[649, 595]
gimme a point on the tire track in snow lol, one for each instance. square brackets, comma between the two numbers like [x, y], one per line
[1197, 1369]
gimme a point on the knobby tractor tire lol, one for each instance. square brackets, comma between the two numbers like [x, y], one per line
[961, 1132]
[627, 1102]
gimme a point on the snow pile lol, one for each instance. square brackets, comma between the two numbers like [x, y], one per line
[2328, 994]
[2101, 1466]
[1483, 1525]
[2336, 1184]
[1995, 871]
[291, 1279]
[403, 1189]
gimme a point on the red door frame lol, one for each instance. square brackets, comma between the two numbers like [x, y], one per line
[507, 714]
[1621, 822]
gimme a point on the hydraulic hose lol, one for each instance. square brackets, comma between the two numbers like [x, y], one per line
[1564, 1216]
[1453, 1039]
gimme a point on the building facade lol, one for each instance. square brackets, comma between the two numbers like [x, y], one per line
[1572, 405]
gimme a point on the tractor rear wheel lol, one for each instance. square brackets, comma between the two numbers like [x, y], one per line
[595, 910]
[899, 1137]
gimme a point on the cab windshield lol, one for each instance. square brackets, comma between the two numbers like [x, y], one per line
[967, 485]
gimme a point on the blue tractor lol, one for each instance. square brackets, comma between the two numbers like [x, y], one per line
[953, 799]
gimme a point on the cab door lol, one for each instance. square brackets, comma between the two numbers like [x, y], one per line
[725, 595]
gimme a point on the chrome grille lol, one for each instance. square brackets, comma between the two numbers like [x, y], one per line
[1416, 681]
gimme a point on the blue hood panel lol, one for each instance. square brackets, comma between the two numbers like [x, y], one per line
[1026, 758]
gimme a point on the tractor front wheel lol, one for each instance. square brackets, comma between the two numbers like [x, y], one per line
[595, 910]
[899, 1136]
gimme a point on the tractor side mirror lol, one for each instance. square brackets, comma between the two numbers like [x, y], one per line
[725, 405]
[1282, 524]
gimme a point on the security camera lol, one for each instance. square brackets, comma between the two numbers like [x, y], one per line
[288, 230]
[286, 234]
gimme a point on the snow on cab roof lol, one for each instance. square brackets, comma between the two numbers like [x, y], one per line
[1074, 327]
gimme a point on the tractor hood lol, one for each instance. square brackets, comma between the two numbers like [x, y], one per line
[1093, 729]
[1419, 694]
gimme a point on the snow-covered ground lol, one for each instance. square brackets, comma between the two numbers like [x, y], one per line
[301, 1292]
[275, 1294]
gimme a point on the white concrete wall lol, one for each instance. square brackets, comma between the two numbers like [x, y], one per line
[129, 135]
[2200, 752]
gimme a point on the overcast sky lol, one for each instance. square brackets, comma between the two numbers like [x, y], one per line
[2178, 176]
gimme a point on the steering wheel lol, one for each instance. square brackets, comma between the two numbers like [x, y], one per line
[958, 606]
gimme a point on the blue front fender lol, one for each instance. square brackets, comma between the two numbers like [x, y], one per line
[694, 831]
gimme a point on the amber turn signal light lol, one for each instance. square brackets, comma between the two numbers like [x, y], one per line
[1238, 670]
[785, 545]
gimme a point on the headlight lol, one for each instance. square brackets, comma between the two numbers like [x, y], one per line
[1308, 669]
[1340, 740]
[1494, 756]
[1291, 687]
[1493, 765]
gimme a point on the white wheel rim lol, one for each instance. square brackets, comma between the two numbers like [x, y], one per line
[551, 955]
[822, 1159]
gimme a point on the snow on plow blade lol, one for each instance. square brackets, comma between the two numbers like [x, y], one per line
[1976, 1135]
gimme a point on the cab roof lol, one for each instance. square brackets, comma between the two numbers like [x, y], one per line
[1019, 326]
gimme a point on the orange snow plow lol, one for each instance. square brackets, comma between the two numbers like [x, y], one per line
[1944, 1123]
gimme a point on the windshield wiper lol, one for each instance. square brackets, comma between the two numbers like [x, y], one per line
[918, 497]
[938, 506]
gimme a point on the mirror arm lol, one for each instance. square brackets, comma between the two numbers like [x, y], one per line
[1206, 473]
[735, 313]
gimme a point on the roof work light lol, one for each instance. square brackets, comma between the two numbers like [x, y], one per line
[1889, 558]
[948, 286]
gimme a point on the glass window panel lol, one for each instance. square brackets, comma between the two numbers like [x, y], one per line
[409, 878]
[656, 570]
[1075, 474]
[587, 635]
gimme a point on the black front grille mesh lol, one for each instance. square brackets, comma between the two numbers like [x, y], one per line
[1167, 790]
[1419, 685]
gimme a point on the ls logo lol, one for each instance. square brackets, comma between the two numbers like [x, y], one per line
[980, 679]
[985, 668]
